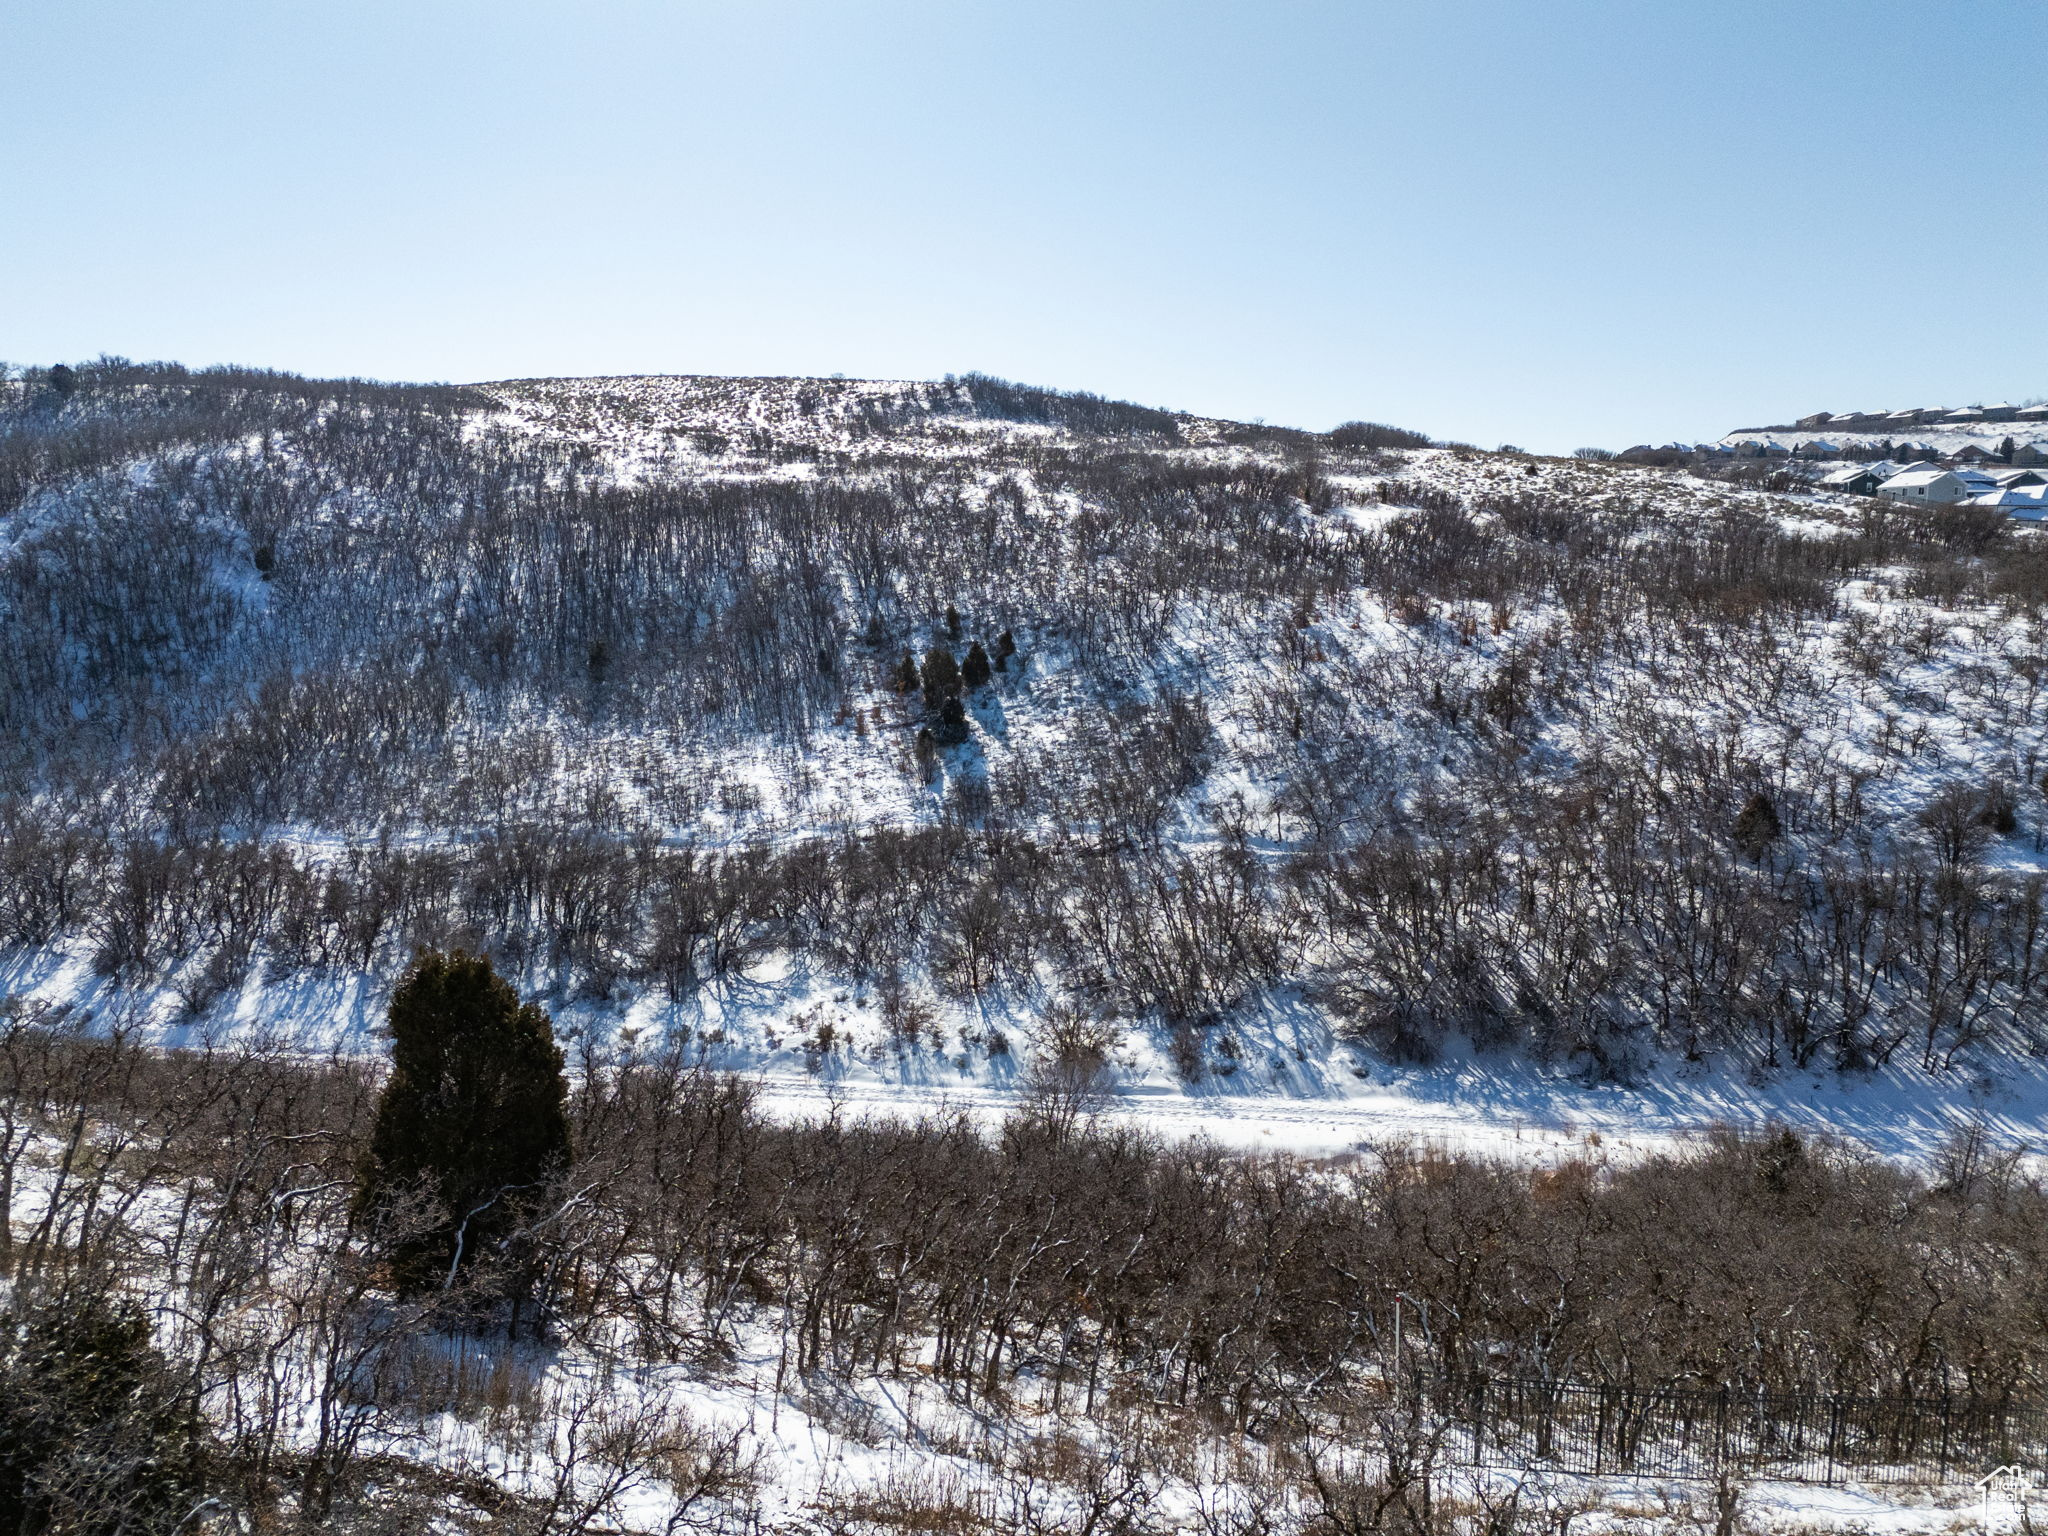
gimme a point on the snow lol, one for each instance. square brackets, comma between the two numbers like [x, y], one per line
[1293, 1084]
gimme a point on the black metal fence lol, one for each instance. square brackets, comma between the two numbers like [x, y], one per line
[1677, 1432]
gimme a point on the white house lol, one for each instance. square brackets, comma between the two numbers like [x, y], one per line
[1928, 487]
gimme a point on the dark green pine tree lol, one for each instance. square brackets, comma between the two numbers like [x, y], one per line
[1756, 825]
[941, 677]
[905, 676]
[950, 729]
[474, 1115]
[96, 1435]
[974, 670]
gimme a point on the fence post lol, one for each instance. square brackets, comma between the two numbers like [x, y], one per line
[1721, 1431]
[1834, 1449]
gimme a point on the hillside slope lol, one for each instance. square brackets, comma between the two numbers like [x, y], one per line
[1302, 767]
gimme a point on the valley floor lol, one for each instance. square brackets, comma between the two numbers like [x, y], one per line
[1298, 1089]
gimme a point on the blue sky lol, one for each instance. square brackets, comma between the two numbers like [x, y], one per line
[1552, 222]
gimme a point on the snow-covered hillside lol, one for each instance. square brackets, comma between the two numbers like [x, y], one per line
[1615, 895]
[1323, 788]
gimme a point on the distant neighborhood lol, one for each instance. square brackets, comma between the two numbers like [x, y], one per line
[1918, 416]
[1991, 456]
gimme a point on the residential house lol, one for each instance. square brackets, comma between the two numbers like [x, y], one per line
[2029, 504]
[1854, 480]
[1935, 487]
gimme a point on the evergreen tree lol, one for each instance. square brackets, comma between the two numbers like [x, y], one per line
[952, 622]
[474, 1113]
[1756, 825]
[941, 677]
[63, 380]
[1006, 647]
[2007, 449]
[951, 728]
[974, 670]
[93, 1437]
[904, 679]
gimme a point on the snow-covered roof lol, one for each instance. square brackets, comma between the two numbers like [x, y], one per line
[1845, 475]
[2025, 498]
[1911, 478]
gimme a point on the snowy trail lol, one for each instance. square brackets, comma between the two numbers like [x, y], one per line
[1503, 1110]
